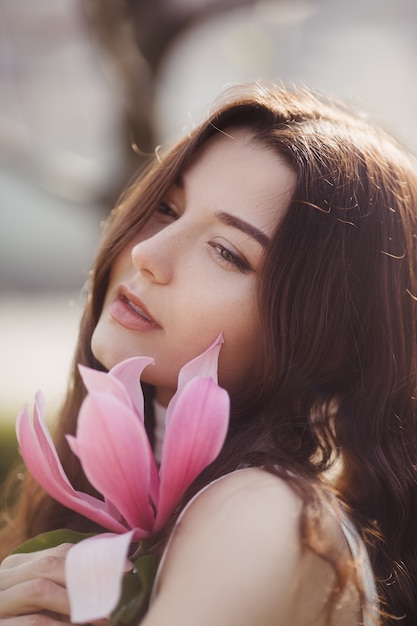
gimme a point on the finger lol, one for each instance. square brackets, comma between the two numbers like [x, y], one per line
[49, 564]
[34, 596]
[14, 560]
[35, 620]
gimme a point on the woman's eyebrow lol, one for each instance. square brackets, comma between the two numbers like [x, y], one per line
[233, 220]
[249, 229]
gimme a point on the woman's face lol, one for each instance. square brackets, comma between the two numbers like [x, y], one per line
[192, 271]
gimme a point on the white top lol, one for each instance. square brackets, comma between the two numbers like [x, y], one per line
[364, 570]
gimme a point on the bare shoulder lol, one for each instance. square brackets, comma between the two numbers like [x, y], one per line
[247, 495]
[236, 558]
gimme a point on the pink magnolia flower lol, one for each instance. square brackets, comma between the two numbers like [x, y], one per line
[113, 448]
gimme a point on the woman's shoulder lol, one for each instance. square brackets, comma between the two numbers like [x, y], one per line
[242, 496]
[249, 507]
[236, 557]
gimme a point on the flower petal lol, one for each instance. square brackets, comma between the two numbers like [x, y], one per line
[129, 373]
[122, 381]
[94, 571]
[40, 456]
[41, 441]
[100, 382]
[116, 456]
[194, 437]
[202, 366]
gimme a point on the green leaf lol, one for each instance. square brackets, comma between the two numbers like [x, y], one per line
[136, 590]
[51, 539]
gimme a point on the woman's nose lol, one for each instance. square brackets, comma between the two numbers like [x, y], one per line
[154, 257]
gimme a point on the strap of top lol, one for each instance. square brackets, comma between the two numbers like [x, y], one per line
[364, 570]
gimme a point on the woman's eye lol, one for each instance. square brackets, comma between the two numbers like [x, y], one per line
[230, 258]
[166, 210]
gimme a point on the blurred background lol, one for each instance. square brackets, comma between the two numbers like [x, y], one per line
[88, 88]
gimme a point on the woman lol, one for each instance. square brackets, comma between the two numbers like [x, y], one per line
[290, 225]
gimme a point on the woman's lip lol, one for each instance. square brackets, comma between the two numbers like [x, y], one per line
[129, 311]
[125, 292]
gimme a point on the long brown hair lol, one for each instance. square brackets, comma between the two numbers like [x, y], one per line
[337, 373]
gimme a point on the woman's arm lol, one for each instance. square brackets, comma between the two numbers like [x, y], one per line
[236, 559]
[32, 588]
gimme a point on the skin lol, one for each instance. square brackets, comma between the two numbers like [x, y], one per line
[261, 581]
[32, 588]
[195, 269]
[246, 527]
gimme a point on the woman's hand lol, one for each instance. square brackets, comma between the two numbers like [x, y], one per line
[32, 588]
